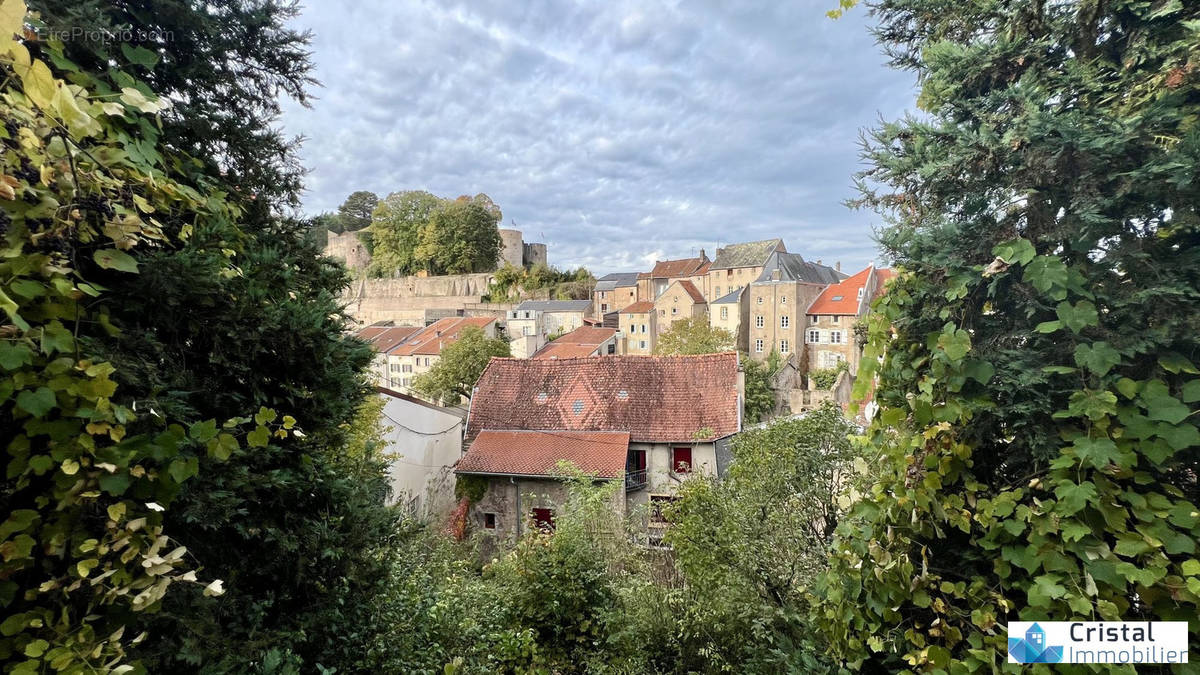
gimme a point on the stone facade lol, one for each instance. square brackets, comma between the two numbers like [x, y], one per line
[733, 317]
[676, 303]
[348, 248]
[776, 317]
[829, 340]
[638, 329]
[515, 251]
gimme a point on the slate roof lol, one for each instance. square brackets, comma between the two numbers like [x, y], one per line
[685, 267]
[556, 305]
[793, 267]
[639, 308]
[748, 254]
[431, 339]
[619, 279]
[730, 298]
[657, 399]
[582, 341]
[537, 453]
[841, 298]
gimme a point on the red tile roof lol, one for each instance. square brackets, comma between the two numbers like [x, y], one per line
[392, 336]
[691, 289]
[655, 398]
[686, 267]
[639, 308]
[882, 276]
[537, 452]
[582, 341]
[432, 338]
[841, 298]
[369, 333]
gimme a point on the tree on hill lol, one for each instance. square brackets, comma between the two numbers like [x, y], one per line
[355, 212]
[396, 231]
[459, 237]
[1037, 431]
[694, 335]
[460, 365]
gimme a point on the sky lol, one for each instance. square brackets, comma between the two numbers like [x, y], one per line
[618, 133]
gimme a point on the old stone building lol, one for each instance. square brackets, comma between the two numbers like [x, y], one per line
[515, 251]
[830, 318]
[731, 312]
[681, 300]
[665, 272]
[737, 265]
[650, 422]
[614, 292]
[533, 322]
[417, 352]
[786, 285]
[584, 341]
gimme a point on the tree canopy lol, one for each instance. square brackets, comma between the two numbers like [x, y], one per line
[355, 212]
[1037, 431]
[461, 363]
[417, 231]
[694, 335]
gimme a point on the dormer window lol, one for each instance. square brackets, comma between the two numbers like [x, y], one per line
[860, 293]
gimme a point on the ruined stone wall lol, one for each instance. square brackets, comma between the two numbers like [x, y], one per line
[512, 248]
[534, 254]
[349, 249]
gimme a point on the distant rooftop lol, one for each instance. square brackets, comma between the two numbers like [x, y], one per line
[793, 267]
[748, 254]
[556, 305]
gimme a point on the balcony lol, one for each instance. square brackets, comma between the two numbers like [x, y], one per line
[635, 480]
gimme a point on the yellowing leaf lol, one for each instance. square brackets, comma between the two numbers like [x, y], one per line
[38, 83]
[12, 18]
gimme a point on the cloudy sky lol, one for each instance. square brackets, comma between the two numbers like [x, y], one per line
[619, 133]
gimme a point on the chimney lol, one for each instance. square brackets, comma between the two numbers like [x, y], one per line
[838, 266]
[702, 256]
[819, 261]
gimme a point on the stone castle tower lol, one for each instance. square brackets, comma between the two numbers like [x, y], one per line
[515, 251]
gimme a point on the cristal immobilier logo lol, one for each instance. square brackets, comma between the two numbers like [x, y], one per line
[1098, 642]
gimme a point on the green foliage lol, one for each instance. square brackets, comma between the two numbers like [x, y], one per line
[514, 283]
[694, 335]
[760, 397]
[460, 365]
[825, 378]
[753, 542]
[416, 231]
[355, 212]
[471, 487]
[1037, 435]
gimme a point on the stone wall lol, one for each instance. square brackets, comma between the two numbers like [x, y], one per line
[512, 249]
[349, 249]
[413, 300]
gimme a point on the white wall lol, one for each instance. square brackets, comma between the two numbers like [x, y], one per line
[424, 442]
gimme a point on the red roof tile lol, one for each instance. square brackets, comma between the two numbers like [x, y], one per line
[882, 276]
[642, 307]
[369, 333]
[841, 298]
[392, 336]
[432, 338]
[686, 267]
[582, 341]
[691, 289]
[655, 398]
[537, 452]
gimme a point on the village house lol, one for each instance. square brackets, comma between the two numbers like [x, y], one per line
[638, 324]
[655, 282]
[650, 422]
[681, 300]
[417, 353]
[829, 327]
[531, 325]
[737, 265]
[731, 312]
[423, 443]
[583, 341]
[614, 292]
[786, 285]
[383, 337]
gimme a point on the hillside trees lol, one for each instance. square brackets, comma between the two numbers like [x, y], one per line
[355, 212]
[1038, 427]
[694, 335]
[460, 365]
[416, 231]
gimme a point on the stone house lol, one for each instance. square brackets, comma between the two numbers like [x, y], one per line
[541, 319]
[614, 292]
[737, 265]
[651, 422]
[665, 272]
[830, 318]
[638, 326]
[382, 337]
[731, 312]
[423, 443]
[417, 353]
[681, 300]
[584, 341]
[786, 286]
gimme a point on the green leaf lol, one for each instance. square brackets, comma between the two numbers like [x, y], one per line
[1191, 567]
[1047, 273]
[1097, 357]
[222, 447]
[1078, 316]
[259, 437]
[265, 416]
[1127, 387]
[183, 469]
[13, 355]
[1160, 405]
[111, 258]
[1191, 391]
[955, 343]
[1173, 362]
[1047, 327]
[115, 483]
[202, 432]
[1072, 498]
[1015, 251]
[36, 403]
[36, 648]
[139, 56]
[1098, 452]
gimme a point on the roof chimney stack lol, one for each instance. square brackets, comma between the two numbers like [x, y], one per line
[702, 256]
[838, 266]
[819, 261]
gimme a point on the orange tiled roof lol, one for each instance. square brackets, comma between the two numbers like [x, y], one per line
[882, 276]
[691, 289]
[639, 308]
[685, 267]
[369, 333]
[392, 336]
[841, 298]
[537, 452]
[657, 399]
[580, 342]
[432, 338]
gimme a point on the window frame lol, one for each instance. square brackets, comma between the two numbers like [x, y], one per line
[679, 465]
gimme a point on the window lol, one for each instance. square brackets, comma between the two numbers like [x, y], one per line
[783, 299]
[603, 307]
[526, 330]
[489, 521]
[724, 312]
[835, 337]
[814, 337]
[718, 291]
[784, 346]
[526, 315]
[577, 406]
[644, 328]
[662, 312]
[394, 368]
[812, 318]
[602, 294]
[759, 300]
[681, 460]
[758, 345]
[641, 344]
[612, 348]
[543, 519]
[406, 368]
[405, 382]
[758, 321]
[834, 318]
[674, 310]
[860, 293]
[784, 322]
[657, 502]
